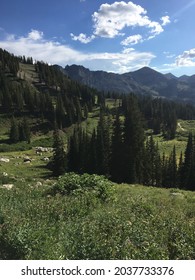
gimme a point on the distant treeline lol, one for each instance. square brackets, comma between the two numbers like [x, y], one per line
[120, 150]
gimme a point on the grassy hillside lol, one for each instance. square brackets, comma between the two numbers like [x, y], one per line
[136, 222]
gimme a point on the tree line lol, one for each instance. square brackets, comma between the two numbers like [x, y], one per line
[119, 149]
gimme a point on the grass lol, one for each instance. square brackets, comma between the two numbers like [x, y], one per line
[136, 223]
[166, 147]
[183, 129]
[16, 167]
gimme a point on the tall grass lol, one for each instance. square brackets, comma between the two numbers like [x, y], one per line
[135, 223]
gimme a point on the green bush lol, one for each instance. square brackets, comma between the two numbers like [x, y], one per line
[10, 249]
[43, 142]
[20, 146]
[74, 184]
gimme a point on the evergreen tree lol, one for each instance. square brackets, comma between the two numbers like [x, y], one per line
[6, 100]
[73, 152]
[187, 172]
[152, 164]
[170, 123]
[92, 154]
[14, 131]
[180, 171]
[116, 161]
[133, 142]
[60, 112]
[172, 169]
[85, 111]
[165, 179]
[103, 144]
[59, 162]
[24, 131]
[188, 163]
[78, 110]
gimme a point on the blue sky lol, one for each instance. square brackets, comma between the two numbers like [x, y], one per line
[115, 36]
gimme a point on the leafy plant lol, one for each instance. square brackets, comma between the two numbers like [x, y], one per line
[74, 184]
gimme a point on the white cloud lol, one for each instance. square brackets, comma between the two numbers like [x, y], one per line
[39, 48]
[111, 19]
[56, 53]
[132, 40]
[82, 38]
[165, 20]
[128, 50]
[156, 28]
[35, 35]
[186, 59]
[169, 55]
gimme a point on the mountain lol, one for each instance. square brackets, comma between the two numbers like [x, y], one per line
[184, 78]
[102, 80]
[142, 81]
[170, 76]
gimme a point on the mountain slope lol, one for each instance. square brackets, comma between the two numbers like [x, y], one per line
[102, 80]
[142, 81]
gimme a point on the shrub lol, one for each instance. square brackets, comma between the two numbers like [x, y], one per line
[10, 249]
[74, 184]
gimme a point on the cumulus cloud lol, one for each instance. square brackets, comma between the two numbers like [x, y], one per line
[82, 38]
[132, 40]
[186, 59]
[35, 35]
[111, 19]
[35, 45]
[165, 20]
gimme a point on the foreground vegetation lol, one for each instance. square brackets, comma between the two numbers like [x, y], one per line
[130, 222]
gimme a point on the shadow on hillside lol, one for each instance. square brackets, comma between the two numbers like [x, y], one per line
[46, 172]
[5, 141]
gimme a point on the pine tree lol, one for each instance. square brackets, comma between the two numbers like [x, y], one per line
[152, 164]
[92, 154]
[133, 142]
[24, 131]
[180, 171]
[187, 169]
[170, 123]
[14, 131]
[85, 111]
[165, 179]
[116, 160]
[103, 144]
[172, 169]
[73, 152]
[78, 110]
[60, 112]
[59, 162]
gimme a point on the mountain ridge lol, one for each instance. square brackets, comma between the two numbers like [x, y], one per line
[142, 81]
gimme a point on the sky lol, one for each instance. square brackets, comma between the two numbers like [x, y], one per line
[114, 36]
